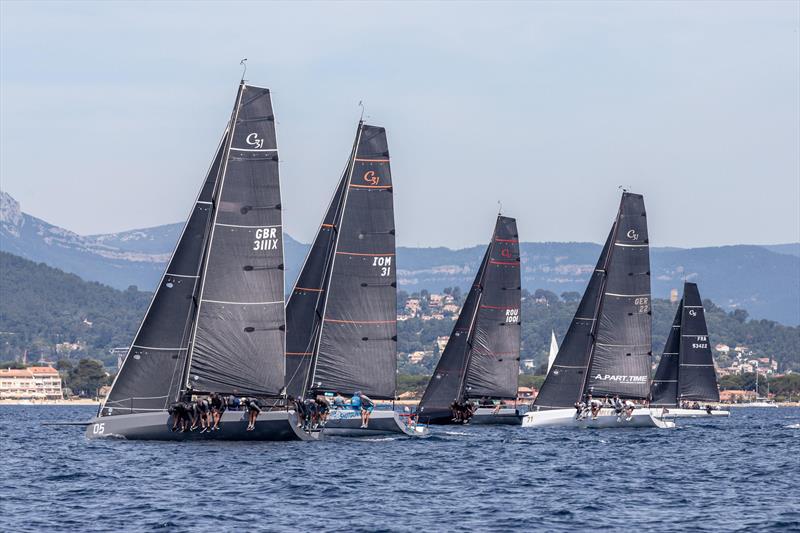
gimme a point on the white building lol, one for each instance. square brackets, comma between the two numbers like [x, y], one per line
[32, 383]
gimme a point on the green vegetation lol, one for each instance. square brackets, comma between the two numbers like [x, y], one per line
[84, 378]
[544, 311]
[785, 388]
[42, 307]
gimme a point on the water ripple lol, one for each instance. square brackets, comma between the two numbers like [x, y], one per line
[736, 474]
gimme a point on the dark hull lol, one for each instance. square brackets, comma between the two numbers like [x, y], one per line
[347, 423]
[483, 416]
[270, 426]
[506, 417]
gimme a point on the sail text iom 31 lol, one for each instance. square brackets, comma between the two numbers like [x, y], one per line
[607, 349]
[342, 314]
[686, 371]
[216, 321]
[481, 359]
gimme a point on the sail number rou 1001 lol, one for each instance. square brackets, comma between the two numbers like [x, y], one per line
[384, 263]
[266, 239]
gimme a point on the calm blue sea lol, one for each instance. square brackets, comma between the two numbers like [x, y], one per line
[736, 474]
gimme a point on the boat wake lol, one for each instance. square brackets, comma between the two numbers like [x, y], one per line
[792, 426]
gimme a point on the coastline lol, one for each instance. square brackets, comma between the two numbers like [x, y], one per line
[79, 401]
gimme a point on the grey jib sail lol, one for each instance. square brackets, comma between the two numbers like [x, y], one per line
[307, 301]
[697, 378]
[357, 346]
[238, 342]
[152, 372]
[481, 358]
[665, 383]
[563, 385]
[607, 347]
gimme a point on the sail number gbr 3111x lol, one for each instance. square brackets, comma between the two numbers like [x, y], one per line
[266, 239]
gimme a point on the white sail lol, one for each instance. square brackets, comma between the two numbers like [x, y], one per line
[553, 350]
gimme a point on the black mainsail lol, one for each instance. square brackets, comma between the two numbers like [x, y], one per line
[607, 348]
[686, 370]
[342, 313]
[238, 341]
[152, 371]
[481, 359]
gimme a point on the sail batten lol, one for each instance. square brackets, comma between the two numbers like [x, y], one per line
[238, 343]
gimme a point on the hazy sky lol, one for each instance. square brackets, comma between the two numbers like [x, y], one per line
[111, 112]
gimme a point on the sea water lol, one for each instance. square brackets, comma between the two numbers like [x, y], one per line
[723, 474]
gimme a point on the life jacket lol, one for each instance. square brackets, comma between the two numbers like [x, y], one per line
[356, 401]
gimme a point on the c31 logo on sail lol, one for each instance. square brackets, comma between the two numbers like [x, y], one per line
[505, 252]
[371, 178]
[692, 312]
[632, 235]
[253, 140]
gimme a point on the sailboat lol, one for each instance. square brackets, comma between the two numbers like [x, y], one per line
[551, 358]
[686, 369]
[607, 348]
[216, 322]
[342, 313]
[481, 359]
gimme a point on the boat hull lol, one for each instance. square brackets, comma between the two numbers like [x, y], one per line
[688, 413]
[347, 423]
[505, 417]
[270, 426]
[607, 418]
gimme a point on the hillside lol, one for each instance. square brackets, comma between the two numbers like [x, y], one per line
[42, 307]
[763, 279]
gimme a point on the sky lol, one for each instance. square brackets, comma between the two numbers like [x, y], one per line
[110, 112]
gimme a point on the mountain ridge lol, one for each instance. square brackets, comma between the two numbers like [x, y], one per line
[765, 279]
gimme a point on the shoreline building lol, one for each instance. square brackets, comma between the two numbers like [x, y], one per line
[32, 383]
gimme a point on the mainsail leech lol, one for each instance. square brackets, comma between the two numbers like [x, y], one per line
[238, 342]
[346, 340]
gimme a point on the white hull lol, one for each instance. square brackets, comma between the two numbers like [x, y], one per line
[673, 412]
[347, 423]
[641, 418]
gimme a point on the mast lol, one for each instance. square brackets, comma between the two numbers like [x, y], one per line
[150, 375]
[238, 338]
